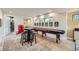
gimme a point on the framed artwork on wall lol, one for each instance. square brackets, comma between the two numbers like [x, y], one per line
[0, 22]
[56, 24]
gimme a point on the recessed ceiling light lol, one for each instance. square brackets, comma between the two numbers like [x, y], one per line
[35, 17]
[51, 14]
[42, 16]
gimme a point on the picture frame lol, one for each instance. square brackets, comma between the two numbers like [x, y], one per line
[0, 22]
[56, 24]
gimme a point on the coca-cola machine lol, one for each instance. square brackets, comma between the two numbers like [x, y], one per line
[76, 39]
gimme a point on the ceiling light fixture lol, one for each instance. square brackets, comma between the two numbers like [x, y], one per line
[51, 14]
[35, 17]
[42, 16]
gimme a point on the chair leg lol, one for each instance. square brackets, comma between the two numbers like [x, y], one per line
[21, 41]
[31, 44]
[35, 39]
[27, 42]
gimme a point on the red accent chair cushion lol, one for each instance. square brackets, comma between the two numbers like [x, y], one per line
[20, 29]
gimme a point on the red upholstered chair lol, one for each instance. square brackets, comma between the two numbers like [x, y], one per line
[20, 29]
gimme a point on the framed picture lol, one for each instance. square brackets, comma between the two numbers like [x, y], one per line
[0, 22]
[56, 24]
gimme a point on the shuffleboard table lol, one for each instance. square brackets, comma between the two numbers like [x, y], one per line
[48, 30]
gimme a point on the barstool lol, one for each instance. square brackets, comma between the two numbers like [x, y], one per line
[28, 36]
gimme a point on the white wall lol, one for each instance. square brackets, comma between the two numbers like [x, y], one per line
[2, 22]
[18, 20]
[6, 24]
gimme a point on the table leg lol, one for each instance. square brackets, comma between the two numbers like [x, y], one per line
[37, 32]
[35, 39]
[42, 34]
[45, 34]
[57, 38]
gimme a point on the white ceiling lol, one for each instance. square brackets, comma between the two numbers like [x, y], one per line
[29, 12]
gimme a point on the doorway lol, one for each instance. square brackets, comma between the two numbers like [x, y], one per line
[8, 25]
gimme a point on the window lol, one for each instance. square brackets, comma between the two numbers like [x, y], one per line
[75, 17]
[42, 23]
[39, 23]
[50, 24]
[46, 23]
[49, 21]
[34, 24]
